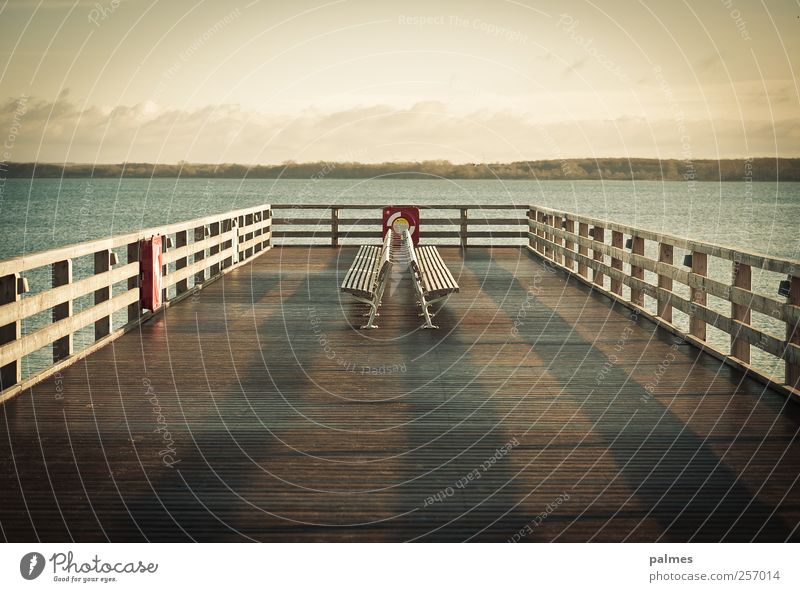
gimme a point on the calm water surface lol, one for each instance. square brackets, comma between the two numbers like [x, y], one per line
[44, 213]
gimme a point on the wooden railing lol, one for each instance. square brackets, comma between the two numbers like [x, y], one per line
[198, 251]
[218, 243]
[333, 223]
[568, 240]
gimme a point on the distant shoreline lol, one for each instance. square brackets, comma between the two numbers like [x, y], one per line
[575, 169]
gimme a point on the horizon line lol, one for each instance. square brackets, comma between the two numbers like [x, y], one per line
[291, 162]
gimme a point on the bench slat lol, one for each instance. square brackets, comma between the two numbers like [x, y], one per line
[355, 267]
[437, 278]
[361, 259]
[369, 265]
[433, 272]
[365, 278]
[447, 279]
[359, 278]
[427, 272]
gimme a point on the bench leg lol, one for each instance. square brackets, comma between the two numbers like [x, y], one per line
[428, 316]
[373, 306]
[428, 322]
[373, 312]
[424, 304]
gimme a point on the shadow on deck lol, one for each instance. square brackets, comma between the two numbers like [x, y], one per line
[283, 422]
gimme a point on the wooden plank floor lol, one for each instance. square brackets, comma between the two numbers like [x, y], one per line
[529, 413]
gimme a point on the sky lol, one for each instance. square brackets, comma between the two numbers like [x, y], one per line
[472, 81]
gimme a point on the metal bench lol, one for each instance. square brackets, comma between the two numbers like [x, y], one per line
[366, 279]
[432, 279]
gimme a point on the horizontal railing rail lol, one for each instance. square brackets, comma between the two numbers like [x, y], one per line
[195, 252]
[333, 223]
[569, 240]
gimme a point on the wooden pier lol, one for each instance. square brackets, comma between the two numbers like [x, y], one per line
[552, 405]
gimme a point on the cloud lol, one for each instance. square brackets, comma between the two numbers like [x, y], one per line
[64, 131]
[574, 66]
[711, 62]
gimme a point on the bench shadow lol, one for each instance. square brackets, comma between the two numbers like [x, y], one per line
[303, 446]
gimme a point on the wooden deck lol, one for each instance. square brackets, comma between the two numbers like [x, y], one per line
[283, 422]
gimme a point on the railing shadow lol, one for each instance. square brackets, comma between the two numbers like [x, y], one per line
[676, 476]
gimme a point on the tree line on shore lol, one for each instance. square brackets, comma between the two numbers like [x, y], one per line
[574, 169]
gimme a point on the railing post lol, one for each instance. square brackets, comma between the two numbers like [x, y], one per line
[181, 240]
[11, 373]
[569, 245]
[213, 230]
[665, 253]
[102, 263]
[267, 216]
[239, 226]
[583, 230]
[741, 275]
[793, 334]
[165, 246]
[334, 227]
[62, 276]
[637, 248]
[248, 223]
[548, 251]
[697, 326]
[599, 236]
[558, 257]
[199, 234]
[227, 226]
[540, 233]
[134, 310]
[616, 242]
[463, 230]
[256, 230]
[531, 216]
